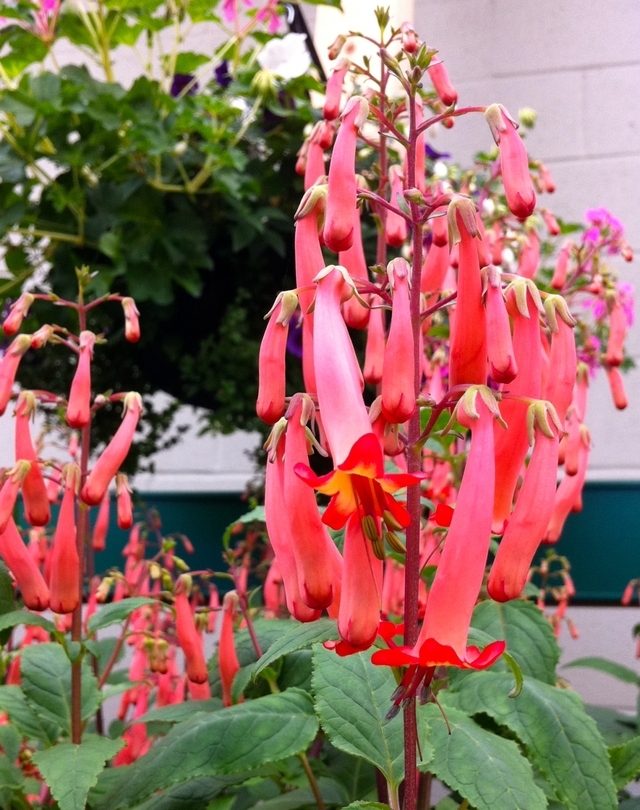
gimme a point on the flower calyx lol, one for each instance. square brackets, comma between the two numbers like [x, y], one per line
[538, 414]
[466, 208]
[555, 305]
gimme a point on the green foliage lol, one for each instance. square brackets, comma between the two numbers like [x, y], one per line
[297, 637]
[244, 736]
[487, 770]
[622, 673]
[559, 736]
[116, 612]
[71, 770]
[625, 762]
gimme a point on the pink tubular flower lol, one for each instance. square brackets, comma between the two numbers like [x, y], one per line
[114, 453]
[278, 528]
[17, 314]
[338, 377]
[331, 109]
[9, 367]
[313, 548]
[439, 76]
[502, 362]
[228, 663]
[34, 491]
[341, 196]
[458, 579]
[551, 222]
[26, 573]
[374, 352]
[435, 268]
[123, 500]
[356, 314]
[189, 639]
[271, 360]
[533, 509]
[562, 266]
[617, 335]
[9, 491]
[395, 225]
[79, 407]
[568, 494]
[616, 386]
[65, 562]
[131, 320]
[409, 37]
[99, 537]
[398, 387]
[521, 198]
[468, 352]
[359, 614]
[530, 255]
[563, 359]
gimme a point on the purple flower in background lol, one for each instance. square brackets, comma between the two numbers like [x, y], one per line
[589, 355]
[180, 81]
[294, 336]
[433, 154]
[223, 77]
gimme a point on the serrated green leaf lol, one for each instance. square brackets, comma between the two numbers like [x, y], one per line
[71, 770]
[560, 737]
[352, 700]
[192, 795]
[528, 634]
[332, 793]
[487, 770]
[10, 740]
[298, 637]
[7, 597]
[618, 671]
[366, 806]
[180, 711]
[117, 612]
[46, 681]
[625, 762]
[240, 737]
[33, 726]
[241, 680]
[17, 617]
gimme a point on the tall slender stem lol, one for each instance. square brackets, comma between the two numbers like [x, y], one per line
[81, 534]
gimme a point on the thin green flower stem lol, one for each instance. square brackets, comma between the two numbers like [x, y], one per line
[313, 782]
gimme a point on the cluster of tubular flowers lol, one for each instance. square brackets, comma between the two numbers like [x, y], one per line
[507, 367]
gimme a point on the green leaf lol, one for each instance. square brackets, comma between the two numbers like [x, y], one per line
[180, 711]
[528, 634]
[367, 806]
[298, 637]
[10, 740]
[618, 671]
[117, 612]
[7, 599]
[16, 617]
[10, 775]
[625, 762]
[487, 770]
[614, 727]
[189, 62]
[33, 726]
[352, 700]
[70, 770]
[331, 3]
[240, 737]
[192, 795]
[332, 793]
[46, 680]
[560, 737]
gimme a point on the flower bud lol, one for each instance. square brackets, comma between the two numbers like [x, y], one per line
[131, 321]
[79, 407]
[16, 315]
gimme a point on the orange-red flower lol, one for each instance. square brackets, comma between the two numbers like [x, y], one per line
[361, 485]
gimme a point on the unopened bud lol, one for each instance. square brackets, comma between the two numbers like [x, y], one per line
[336, 46]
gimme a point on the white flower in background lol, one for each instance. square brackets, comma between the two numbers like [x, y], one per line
[287, 57]
[440, 170]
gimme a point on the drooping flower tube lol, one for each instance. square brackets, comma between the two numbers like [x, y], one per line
[9, 367]
[468, 351]
[331, 108]
[271, 360]
[99, 536]
[64, 576]
[562, 266]
[123, 501]
[131, 320]
[114, 453]
[314, 551]
[17, 313]
[341, 196]
[530, 255]
[374, 351]
[26, 573]
[439, 76]
[34, 491]
[398, 385]
[563, 358]
[524, 305]
[502, 362]
[521, 198]
[278, 525]
[533, 509]
[568, 494]
[617, 334]
[456, 586]
[79, 407]
[189, 639]
[228, 664]
[395, 225]
[356, 314]
[616, 386]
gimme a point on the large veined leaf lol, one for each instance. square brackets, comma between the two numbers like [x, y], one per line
[297, 637]
[21, 714]
[70, 770]
[117, 612]
[487, 770]
[238, 738]
[352, 700]
[46, 681]
[528, 634]
[17, 617]
[625, 762]
[560, 737]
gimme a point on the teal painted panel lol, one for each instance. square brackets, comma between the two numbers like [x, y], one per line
[602, 541]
